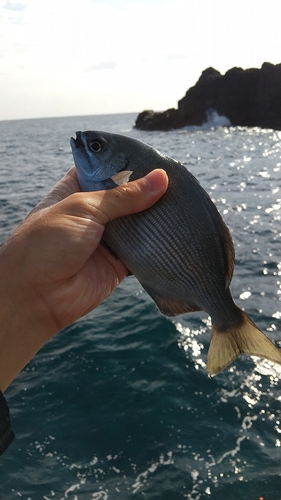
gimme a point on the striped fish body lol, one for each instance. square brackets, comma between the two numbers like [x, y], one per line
[179, 249]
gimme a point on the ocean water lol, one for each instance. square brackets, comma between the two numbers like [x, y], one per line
[119, 405]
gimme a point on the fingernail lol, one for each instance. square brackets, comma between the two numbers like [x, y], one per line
[156, 179]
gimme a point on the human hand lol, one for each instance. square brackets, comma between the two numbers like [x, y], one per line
[54, 269]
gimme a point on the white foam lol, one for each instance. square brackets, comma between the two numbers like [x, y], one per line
[142, 478]
[72, 488]
[216, 120]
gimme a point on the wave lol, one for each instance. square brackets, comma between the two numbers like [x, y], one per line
[216, 120]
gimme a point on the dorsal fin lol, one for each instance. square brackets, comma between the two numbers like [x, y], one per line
[227, 246]
[229, 254]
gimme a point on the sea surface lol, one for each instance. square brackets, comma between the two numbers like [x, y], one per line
[119, 405]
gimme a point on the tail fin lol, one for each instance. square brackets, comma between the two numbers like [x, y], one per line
[245, 338]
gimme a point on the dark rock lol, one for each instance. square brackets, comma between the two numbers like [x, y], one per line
[149, 120]
[248, 98]
[208, 75]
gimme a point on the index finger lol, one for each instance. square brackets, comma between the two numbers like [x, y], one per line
[61, 190]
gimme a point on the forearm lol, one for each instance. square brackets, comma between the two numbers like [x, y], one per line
[22, 328]
[18, 344]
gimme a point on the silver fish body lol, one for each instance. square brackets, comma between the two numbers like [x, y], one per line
[180, 249]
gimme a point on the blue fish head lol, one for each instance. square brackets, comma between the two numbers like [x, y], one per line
[96, 160]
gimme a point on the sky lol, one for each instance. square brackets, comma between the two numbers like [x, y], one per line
[85, 57]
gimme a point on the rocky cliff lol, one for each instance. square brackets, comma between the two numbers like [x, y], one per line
[250, 98]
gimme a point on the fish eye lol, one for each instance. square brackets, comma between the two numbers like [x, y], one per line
[96, 146]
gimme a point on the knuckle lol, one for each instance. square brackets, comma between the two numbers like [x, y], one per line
[131, 189]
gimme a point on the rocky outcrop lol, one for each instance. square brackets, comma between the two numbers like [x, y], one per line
[250, 98]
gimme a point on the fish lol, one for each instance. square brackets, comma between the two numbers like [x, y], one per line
[180, 249]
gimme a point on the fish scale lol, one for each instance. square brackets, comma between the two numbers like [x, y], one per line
[180, 249]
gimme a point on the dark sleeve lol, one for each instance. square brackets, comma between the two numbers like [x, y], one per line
[6, 433]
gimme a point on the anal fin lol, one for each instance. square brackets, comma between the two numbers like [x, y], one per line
[171, 307]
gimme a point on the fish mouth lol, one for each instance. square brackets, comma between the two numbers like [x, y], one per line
[77, 143]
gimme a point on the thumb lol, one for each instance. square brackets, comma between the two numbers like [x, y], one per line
[129, 198]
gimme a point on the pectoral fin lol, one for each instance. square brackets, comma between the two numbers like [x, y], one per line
[122, 177]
